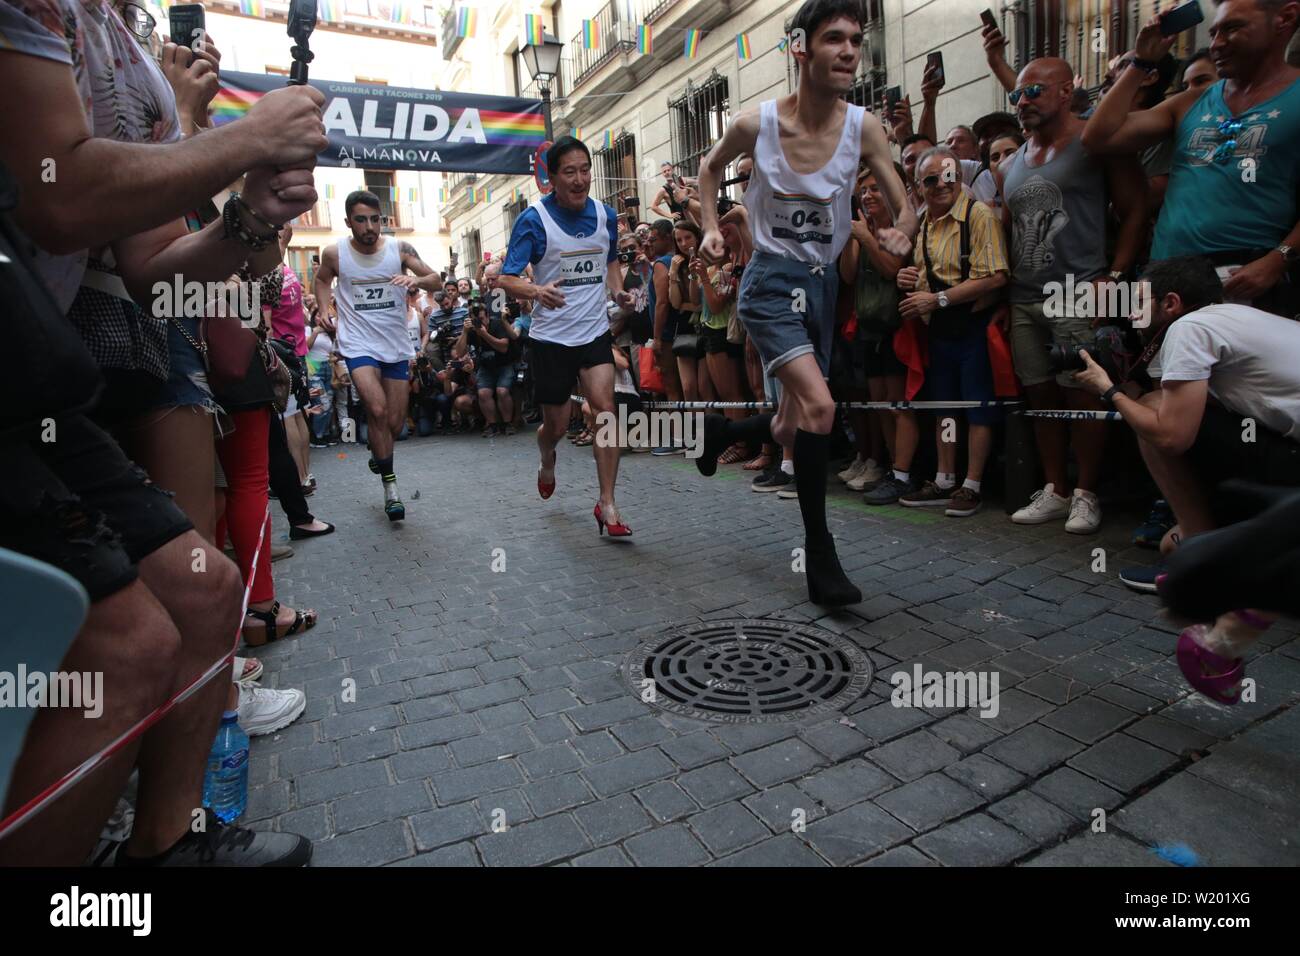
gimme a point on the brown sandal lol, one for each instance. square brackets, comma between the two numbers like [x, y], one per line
[732, 455]
[274, 631]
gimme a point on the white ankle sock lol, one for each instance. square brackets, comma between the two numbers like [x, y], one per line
[972, 484]
[902, 475]
[787, 466]
[945, 480]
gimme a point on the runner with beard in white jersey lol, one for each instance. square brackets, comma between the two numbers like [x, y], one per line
[370, 325]
[806, 150]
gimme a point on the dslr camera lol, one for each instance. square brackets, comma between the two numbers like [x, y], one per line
[1108, 349]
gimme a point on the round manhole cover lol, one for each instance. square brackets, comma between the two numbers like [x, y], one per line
[749, 671]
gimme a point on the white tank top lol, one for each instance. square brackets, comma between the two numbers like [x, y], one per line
[801, 216]
[372, 311]
[577, 266]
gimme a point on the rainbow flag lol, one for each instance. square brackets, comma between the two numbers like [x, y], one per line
[251, 8]
[782, 43]
[533, 29]
[691, 44]
[517, 194]
[442, 194]
[469, 191]
[502, 128]
[742, 46]
[229, 105]
[467, 22]
[590, 34]
[400, 12]
[644, 39]
[576, 133]
[412, 195]
[329, 191]
[607, 140]
[331, 11]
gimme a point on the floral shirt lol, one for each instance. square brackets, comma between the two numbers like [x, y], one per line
[123, 91]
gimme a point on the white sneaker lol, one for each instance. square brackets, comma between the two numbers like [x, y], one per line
[852, 471]
[1085, 513]
[263, 710]
[788, 492]
[1044, 505]
[869, 474]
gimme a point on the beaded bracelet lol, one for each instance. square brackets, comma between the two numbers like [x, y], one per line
[234, 227]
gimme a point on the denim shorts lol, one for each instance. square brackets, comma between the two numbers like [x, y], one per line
[769, 309]
[496, 376]
[187, 383]
[959, 371]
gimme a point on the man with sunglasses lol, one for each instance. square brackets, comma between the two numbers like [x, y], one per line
[1232, 186]
[373, 286]
[1056, 196]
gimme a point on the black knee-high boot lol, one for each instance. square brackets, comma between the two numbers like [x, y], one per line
[827, 583]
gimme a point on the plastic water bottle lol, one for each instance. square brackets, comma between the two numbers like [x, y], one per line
[225, 785]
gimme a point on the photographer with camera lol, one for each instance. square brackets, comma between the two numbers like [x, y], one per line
[489, 339]
[449, 309]
[1228, 405]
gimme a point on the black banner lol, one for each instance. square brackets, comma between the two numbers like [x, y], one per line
[394, 127]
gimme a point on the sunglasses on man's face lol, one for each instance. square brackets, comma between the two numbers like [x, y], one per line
[1033, 91]
[933, 182]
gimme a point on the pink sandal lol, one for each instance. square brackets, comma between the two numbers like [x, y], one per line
[1217, 677]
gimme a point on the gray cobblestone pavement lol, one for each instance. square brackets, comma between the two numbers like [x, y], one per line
[491, 727]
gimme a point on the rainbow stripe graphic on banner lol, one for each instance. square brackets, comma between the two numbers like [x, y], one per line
[229, 105]
[466, 22]
[331, 11]
[502, 128]
[691, 44]
[251, 8]
[533, 29]
[590, 34]
[644, 39]
[742, 46]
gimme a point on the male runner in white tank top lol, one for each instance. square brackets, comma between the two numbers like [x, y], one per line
[806, 149]
[370, 325]
[571, 241]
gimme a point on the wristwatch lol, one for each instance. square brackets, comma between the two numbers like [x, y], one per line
[1108, 396]
[942, 299]
[1116, 274]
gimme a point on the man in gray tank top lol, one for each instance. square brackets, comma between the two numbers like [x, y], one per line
[806, 149]
[1055, 205]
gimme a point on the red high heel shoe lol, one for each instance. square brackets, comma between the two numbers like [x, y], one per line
[544, 489]
[616, 528]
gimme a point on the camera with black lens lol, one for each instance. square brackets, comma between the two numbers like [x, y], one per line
[1107, 349]
[627, 256]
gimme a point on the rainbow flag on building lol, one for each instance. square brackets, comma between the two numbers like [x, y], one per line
[742, 46]
[576, 133]
[466, 22]
[331, 11]
[590, 34]
[329, 191]
[533, 31]
[644, 39]
[442, 194]
[401, 12]
[469, 191]
[607, 140]
[691, 44]
[251, 8]
[517, 194]
[412, 194]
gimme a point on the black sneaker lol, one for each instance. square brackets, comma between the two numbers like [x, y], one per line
[775, 481]
[1142, 579]
[227, 845]
[890, 489]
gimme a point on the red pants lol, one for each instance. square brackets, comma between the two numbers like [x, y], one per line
[245, 460]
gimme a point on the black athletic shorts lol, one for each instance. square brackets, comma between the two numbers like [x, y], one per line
[555, 367]
[80, 504]
[1220, 451]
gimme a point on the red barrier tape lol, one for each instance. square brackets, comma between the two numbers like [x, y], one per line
[55, 790]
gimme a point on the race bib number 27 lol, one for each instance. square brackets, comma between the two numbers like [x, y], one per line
[373, 296]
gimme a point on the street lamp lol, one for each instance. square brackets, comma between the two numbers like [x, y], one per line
[544, 63]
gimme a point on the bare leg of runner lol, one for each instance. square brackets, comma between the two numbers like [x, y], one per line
[598, 386]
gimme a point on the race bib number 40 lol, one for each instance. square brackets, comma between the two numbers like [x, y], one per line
[585, 267]
[373, 296]
[802, 218]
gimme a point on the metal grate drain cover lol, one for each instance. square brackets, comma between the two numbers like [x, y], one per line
[749, 671]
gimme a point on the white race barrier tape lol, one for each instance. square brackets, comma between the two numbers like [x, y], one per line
[1075, 414]
[766, 406]
[55, 790]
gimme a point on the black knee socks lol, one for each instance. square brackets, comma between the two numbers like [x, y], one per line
[811, 453]
[384, 466]
[756, 428]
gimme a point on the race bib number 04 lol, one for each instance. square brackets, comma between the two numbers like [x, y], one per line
[802, 218]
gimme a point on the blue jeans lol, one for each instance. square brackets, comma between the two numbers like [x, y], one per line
[320, 424]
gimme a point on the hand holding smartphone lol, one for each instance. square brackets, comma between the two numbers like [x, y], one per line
[186, 23]
[1180, 18]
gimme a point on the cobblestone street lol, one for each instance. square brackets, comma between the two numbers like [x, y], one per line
[492, 723]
